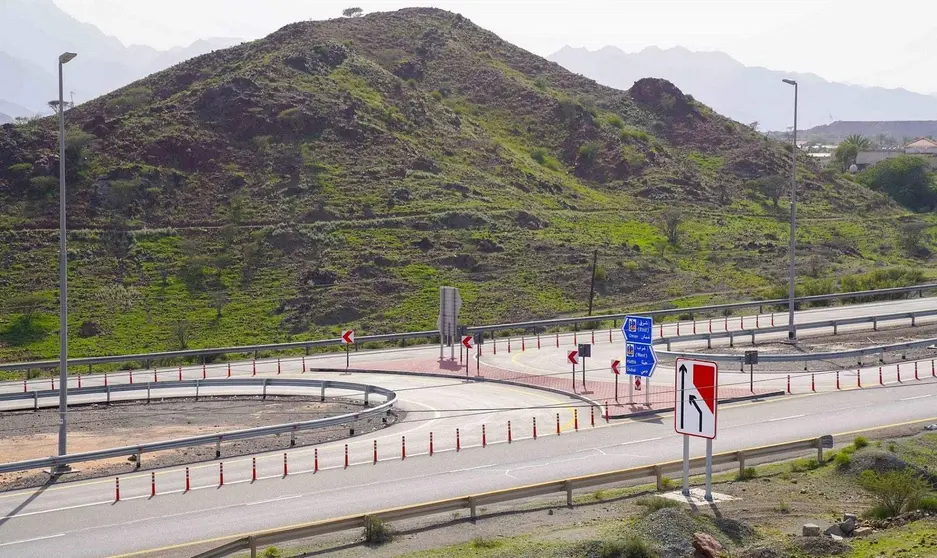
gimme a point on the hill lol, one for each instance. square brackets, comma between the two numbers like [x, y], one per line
[895, 132]
[336, 173]
[34, 32]
[747, 94]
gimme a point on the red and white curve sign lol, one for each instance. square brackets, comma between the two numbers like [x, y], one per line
[571, 357]
[696, 388]
[348, 336]
[467, 341]
[616, 367]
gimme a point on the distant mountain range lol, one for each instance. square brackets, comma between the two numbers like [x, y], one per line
[34, 32]
[888, 133]
[748, 94]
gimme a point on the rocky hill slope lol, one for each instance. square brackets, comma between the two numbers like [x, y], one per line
[336, 173]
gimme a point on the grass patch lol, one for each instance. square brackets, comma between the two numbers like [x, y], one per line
[377, 532]
[485, 543]
[746, 474]
[653, 503]
[632, 547]
[842, 459]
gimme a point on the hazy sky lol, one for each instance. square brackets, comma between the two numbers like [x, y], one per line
[869, 42]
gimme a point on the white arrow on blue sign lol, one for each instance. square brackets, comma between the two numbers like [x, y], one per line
[637, 329]
[640, 359]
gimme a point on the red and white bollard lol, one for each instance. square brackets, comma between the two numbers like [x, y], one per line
[229, 369]
[757, 324]
[458, 440]
[898, 370]
[592, 415]
[52, 381]
[788, 384]
[609, 335]
[221, 474]
[538, 341]
[557, 340]
[710, 325]
[253, 368]
[523, 345]
[813, 383]
[315, 460]
[188, 484]
[484, 437]
[557, 424]
[375, 451]
[694, 327]
[494, 344]
[155, 376]
[607, 412]
[858, 377]
[661, 330]
[575, 337]
[304, 364]
[180, 373]
[509, 345]
[509, 433]
[837, 379]
[79, 381]
[678, 328]
[204, 372]
[535, 428]
[346, 456]
[278, 366]
[576, 420]
[915, 371]
[131, 378]
[881, 382]
[286, 469]
[772, 319]
[105, 380]
[152, 484]
[431, 443]
[117, 489]
[593, 337]
[403, 448]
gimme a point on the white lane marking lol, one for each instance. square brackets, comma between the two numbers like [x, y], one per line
[39, 512]
[785, 418]
[473, 468]
[33, 540]
[280, 499]
[918, 397]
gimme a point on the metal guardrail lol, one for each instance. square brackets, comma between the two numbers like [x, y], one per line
[880, 350]
[146, 358]
[390, 398]
[473, 502]
[835, 324]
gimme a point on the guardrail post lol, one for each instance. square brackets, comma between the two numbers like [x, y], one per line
[740, 457]
[139, 460]
[874, 324]
[107, 389]
[322, 394]
[731, 339]
[668, 343]
[912, 320]
[252, 545]
[148, 393]
[367, 390]
[659, 475]
[753, 337]
[819, 450]
[568, 485]
[264, 387]
[197, 385]
[471, 503]
[709, 341]
[218, 448]
[835, 327]
[293, 437]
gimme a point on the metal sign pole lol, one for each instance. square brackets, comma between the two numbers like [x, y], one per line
[709, 470]
[583, 373]
[478, 358]
[574, 378]
[630, 390]
[616, 388]
[347, 364]
[647, 391]
[686, 465]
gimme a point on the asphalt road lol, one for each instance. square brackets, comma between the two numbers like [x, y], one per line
[51, 523]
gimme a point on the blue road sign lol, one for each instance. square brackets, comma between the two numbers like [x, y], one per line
[640, 359]
[637, 329]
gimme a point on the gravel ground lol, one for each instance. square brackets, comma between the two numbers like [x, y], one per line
[28, 435]
[830, 343]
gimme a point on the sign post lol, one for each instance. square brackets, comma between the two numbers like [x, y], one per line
[449, 305]
[640, 358]
[585, 351]
[348, 338]
[751, 359]
[616, 370]
[479, 340]
[695, 404]
[571, 358]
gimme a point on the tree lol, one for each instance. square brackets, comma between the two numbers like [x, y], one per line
[219, 299]
[180, 334]
[670, 224]
[27, 306]
[753, 126]
[352, 12]
[913, 238]
[858, 140]
[772, 187]
[906, 179]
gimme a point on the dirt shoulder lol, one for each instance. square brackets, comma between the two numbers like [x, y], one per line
[29, 435]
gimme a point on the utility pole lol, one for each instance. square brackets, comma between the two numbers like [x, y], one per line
[792, 330]
[595, 258]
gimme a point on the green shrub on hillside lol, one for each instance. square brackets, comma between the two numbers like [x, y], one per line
[634, 134]
[895, 491]
[590, 150]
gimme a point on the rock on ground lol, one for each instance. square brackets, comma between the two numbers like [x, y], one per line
[706, 546]
[818, 546]
[811, 530]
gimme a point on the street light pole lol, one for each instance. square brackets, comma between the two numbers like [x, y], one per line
[63, 275]
[792, 329]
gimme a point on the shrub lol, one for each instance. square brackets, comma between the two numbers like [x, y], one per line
[600, 273]
[895, 491]
[655, 503]
[783, 506]
[377, 532]
[633, 547]
[747, 474]
[590, 150]
[541, 156]
[804, 464]
[272, 552]
[928, 503]
[842, 460]
[615, 121]
[629, 133]
[667, 483]
[860, 442]
[437, 96]
[540, 84]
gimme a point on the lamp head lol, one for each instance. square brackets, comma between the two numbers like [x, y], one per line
[67, 57]
[790, 82]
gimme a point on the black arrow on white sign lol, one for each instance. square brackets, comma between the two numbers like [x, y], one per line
[693, 402]
[682, 393]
